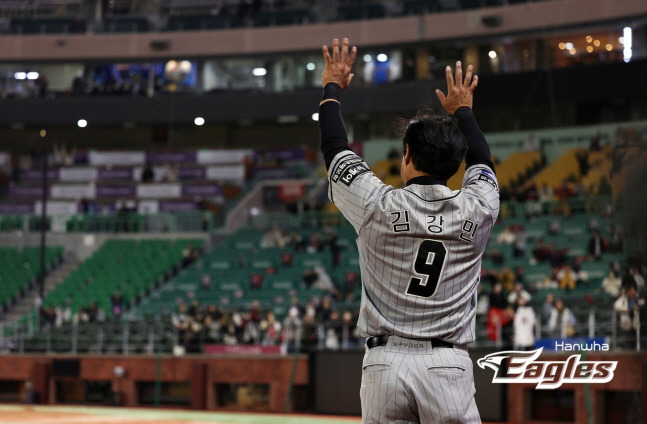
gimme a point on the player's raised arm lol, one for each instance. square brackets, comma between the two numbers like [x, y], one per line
[458, 102]
[335, 78]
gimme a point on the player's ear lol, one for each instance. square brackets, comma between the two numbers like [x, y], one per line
[407, 155]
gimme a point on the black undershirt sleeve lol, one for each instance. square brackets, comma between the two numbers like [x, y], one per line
[478, 150]
[332, 131]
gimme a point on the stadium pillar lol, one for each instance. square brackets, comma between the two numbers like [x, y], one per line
[43, 223]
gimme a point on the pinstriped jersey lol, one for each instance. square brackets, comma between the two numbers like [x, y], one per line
[420, 248]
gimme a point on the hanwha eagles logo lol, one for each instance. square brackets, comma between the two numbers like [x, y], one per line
[523, 367]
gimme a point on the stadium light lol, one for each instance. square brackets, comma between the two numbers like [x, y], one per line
[20, 75]
[82, 123]
[609, 47]
[492, 54]
[627, 42]
[32, 75]
[315, 116]
[367, 58]
[589, 49]
[311, 66]
[199, 121]
[569, 46]
[382, 57]
[259, 72]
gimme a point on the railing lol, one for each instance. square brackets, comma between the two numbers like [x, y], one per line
[157, 334]
[511, 209]
[116, 223]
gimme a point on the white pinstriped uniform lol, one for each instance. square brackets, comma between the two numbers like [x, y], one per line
[420, 253]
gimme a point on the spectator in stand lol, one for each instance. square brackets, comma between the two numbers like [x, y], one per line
[335, 251]
[489, 277]
[92, 312]
[533, 206]
[315, 243]
[519, 244]
[88, 206]
[562, 321]
[567, 278]
[616, 239]
[286, 259]
[583, 162]
[611, 284]
[325, 311]
[517, 293]
[541, 252]
[256, 281]
[274, 238]
[597, 245]
[545, 193]
[292, 326]
[506, 236]
[318, 278]
[557, 257]
[189, 255]
[555, 227]
[507, 279]
[640, 281]
[116, 304]
[483, 301]
[395, 158]
[628, 307]
[497, 298]
[547, 307]
[295, 241]
[350, 285]
[171, 173]
[524, 325]
[496, 256]
[148, 174]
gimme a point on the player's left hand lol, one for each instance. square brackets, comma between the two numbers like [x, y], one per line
[337, 69]
[460, 92]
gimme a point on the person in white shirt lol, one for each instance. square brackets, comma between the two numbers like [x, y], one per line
[524, 325]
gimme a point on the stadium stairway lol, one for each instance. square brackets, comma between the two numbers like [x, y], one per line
[55, 277]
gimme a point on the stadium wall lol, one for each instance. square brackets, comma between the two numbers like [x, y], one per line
[526, 17]
[60, 378]
[331, 378]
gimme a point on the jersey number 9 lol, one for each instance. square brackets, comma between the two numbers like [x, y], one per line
[429, 264]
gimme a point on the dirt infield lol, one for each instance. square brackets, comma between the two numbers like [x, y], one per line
[29, 416]
[19, 414]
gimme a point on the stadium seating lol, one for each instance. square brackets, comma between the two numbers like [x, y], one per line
[223, 275]
[133, 267]
[19, 269]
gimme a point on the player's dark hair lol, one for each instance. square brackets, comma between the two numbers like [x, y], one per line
[436, 143]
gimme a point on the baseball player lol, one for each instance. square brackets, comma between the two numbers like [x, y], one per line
[420, 251]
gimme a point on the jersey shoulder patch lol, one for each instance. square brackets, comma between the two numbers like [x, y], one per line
[347, 169]
[487, 176]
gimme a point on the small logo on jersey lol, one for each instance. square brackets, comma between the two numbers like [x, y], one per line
[410, 345]
[523, 367]
[487, 179]
[353, 172]
[348, 169]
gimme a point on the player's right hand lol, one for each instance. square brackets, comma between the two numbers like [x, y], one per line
[337, 69]
[460, 92]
